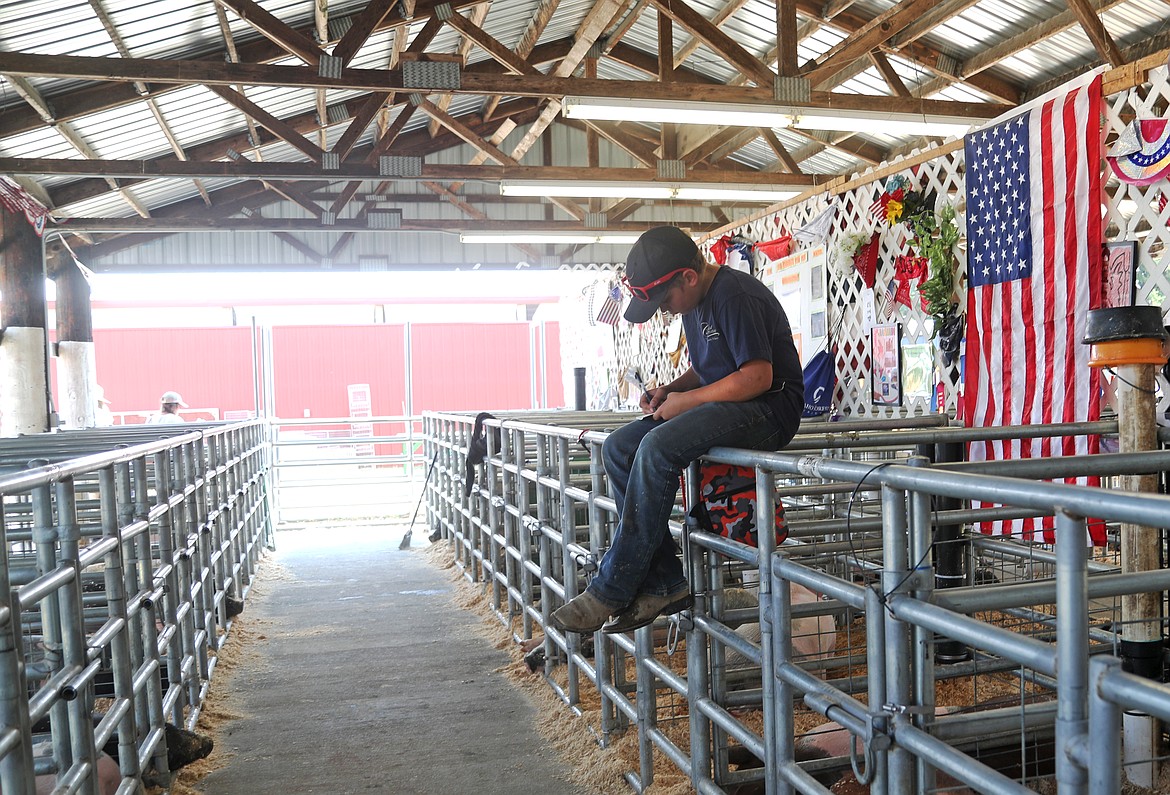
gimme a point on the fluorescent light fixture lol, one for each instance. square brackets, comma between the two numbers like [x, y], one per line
[586, 190]
[882, 123]
[657, 110]
[580, 189]
[739, 115]
[580, 238]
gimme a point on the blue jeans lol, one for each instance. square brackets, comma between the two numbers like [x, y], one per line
[643, 460]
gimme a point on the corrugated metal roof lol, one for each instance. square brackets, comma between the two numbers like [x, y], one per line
[203, 122]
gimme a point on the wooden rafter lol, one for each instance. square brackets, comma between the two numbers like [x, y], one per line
[277, 126]
[285, 36]
[861, 41]
[490, 45]
[292, 192]
[33, 97]
[271, 170]
[164, 127]
[218, 149]
[464, 132]
[478, 15]
[527, 42]
[786, 38]
[635, 147]
[717, 40]
[362, 27]
[555, 85]
[934, 60]
[1095, 30]
[259, 224]
[886, 69]
[722, 15]
[971, 70]
[782, 154]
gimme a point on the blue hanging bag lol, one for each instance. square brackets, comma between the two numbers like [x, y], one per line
[820, 383]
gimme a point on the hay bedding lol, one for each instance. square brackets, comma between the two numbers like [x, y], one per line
[220, 707]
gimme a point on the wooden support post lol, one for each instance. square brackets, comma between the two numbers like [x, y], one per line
[76, 362]
[1131, 341]
[1141, 627]
[24, 393]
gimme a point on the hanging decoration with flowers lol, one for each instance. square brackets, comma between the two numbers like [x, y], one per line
[861, 248]
[931, 265]
[935, 238]
[898, 201]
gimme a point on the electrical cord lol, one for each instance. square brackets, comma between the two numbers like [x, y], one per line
[882, 597]
[1130, 384]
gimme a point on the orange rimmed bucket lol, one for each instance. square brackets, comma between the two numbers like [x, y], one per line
[1125, 335]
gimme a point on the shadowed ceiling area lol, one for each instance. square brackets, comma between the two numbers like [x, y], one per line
[315, 122]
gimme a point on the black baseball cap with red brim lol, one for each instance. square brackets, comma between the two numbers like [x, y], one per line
[658, 253]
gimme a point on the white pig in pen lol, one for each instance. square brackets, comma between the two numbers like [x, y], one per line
[813, 637]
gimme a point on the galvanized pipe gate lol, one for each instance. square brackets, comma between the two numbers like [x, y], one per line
[123, 546]
[863, 513]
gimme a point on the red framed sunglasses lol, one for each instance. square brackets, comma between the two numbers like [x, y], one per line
[643, 293]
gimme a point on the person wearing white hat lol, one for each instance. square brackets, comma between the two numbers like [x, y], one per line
[168, 412]
[103, 415]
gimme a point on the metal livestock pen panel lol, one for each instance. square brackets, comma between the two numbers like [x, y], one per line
[121, 548]
[883, 648]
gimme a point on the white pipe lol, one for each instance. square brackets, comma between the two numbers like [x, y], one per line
[23, 385]
[77, 379]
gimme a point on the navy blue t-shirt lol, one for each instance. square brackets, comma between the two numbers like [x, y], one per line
[740, 320]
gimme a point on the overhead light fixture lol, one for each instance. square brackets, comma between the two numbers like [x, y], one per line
[682, 112]
[775, 116]
[579, 238]
[882, 123]
[579, 189]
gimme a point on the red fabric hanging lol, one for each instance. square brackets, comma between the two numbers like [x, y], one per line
[719, 249]
[907, 268]
[775, 249]
[865, 259]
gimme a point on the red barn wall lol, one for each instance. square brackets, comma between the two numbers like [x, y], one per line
[209, 367]
[313, 365]
[454, 367]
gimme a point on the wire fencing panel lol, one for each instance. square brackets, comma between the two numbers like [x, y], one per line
[126, 553]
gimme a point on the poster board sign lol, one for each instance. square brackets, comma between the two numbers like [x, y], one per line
[798, 282]
[1118, 273]
[886, 364]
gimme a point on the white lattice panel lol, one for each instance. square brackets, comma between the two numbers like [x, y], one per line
[1135, 213]
[1142, 212]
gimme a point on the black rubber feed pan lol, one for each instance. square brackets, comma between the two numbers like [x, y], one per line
[1124, 323]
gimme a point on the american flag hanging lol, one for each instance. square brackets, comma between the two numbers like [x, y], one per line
[888, 306]
[611, 310]
[1034, 270]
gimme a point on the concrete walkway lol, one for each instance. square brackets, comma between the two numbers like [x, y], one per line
[357, 674]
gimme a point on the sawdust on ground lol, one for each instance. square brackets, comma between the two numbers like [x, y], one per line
[240, 652]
